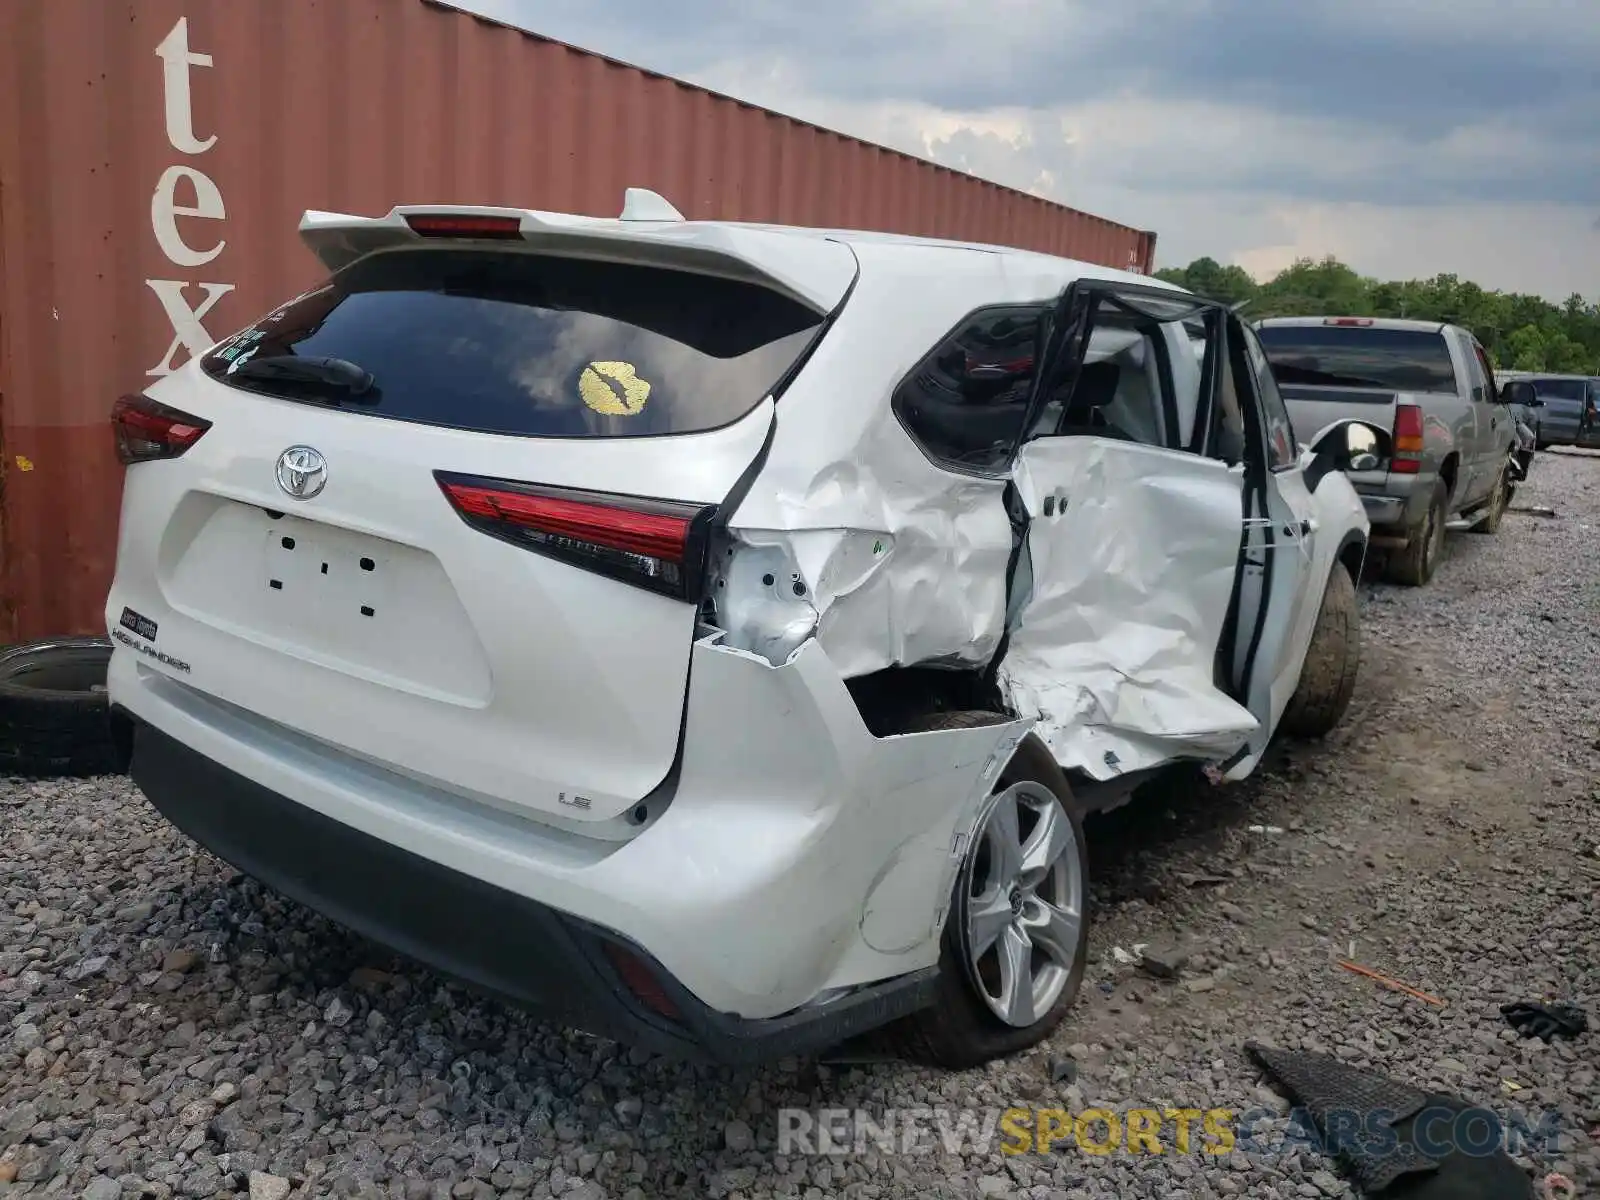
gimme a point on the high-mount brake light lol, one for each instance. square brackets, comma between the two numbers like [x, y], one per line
[655, 544]
[1349, 322]
[147, 431]
[464, 225]
[1407, 440]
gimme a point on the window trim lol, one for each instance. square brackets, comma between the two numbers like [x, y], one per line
[1040, 309]
[1258, 455]
[1478, 382]
[1492, 389]
[1219, 359]
[1057, 315]
[1166, 380]
[1202, 441]
[1082, 299]
[1249, 338]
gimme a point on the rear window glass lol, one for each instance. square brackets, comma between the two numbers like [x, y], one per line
[524, 344]
[1402, 360]
[1559, 389]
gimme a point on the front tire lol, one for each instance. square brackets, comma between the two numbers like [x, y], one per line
[1328, 676]
[1414, 566]
[1015, 943]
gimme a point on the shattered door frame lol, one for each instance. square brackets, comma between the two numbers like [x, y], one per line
[1092, 720]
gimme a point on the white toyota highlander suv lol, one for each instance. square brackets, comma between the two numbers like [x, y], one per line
[710, 634]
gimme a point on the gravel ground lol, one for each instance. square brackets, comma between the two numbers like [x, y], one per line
[167, 1029]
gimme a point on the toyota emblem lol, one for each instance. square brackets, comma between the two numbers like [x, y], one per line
[302, 472]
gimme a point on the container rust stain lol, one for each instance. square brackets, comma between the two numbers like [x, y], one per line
[156, 156]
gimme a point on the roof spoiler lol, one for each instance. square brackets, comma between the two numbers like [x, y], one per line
[649, 232]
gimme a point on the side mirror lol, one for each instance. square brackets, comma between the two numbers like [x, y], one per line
[1351, 446]
[1520, 391]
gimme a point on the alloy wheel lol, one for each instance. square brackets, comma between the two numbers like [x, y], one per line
[1023, 904]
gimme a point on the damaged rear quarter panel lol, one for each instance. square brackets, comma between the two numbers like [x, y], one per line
[813, 855]
[902, 561]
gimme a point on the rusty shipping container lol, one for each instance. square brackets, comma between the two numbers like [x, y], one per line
[156, 155]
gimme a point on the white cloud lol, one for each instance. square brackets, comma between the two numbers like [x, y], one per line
[1215, 166]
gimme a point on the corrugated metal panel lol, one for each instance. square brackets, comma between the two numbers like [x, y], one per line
[155, 157]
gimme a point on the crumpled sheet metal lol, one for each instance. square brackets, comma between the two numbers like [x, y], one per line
[903, 563]
[1115, 650]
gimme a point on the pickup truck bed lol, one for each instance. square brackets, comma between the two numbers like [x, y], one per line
[1394, 501]
[1431, 385]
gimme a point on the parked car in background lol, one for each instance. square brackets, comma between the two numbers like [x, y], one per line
[1526, 416]
[1567, 416]
[1526, 422]
[482, 599]
[1432, 386]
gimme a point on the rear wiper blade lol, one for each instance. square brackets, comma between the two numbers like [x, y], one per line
[327, 372]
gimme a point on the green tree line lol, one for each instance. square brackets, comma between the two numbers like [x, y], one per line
[1521, 332]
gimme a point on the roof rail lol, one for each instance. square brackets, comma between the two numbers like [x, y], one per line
[641, 204]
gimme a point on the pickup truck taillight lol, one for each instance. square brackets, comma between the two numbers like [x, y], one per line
[1407, 440]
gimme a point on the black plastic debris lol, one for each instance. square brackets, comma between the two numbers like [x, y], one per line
[1063, 1070]
[1387, 1135]
[1545, 1021]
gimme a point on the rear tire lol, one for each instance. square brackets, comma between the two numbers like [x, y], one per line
[1414, 566]
[54, 719]
[1495, 512]
[1328, 676]
[962, 1028]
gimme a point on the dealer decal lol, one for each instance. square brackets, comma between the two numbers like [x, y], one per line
[138, 623]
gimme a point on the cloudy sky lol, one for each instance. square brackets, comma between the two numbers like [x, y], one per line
[1407, 137]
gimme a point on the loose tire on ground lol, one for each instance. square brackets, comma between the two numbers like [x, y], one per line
[1328, 677]
[1415, 565]
[1496, 510]
[959, 1030]
[54, 718]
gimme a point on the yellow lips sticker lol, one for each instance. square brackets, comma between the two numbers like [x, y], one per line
[613, 389]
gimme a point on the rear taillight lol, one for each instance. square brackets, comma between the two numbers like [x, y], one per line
[448, 225]
[654, 544]
[146, 430]
[1407, 440]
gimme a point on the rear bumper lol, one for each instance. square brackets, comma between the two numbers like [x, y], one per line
[1395, 504]
[491, 938]
[1384, 510]
[793, 857]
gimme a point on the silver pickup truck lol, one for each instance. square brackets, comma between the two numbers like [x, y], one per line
[1432, 385]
